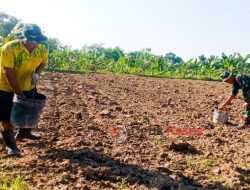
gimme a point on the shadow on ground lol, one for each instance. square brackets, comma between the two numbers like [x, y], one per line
[104, 168]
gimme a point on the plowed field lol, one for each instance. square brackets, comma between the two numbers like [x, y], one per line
[77, 151]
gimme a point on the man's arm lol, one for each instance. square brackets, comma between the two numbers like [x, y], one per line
[40, 68]
[11, 78]
[44, 62]
[235, 89]
[228, 101]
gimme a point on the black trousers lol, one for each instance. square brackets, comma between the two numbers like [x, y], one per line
[6, 102]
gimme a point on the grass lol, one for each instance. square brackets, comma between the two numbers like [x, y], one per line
[123, 185]
[206, 164]
[13, 183]
[10, 182]
[4, 159]
[156, 75]
[201, 164]
[158, 142]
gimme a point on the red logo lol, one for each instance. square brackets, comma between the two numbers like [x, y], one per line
[118, 133]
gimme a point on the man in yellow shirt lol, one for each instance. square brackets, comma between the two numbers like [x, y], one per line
[21, 62]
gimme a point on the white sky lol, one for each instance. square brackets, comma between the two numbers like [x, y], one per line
[186, 27]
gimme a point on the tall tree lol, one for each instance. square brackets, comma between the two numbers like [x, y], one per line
[7, 23]
[54, 44]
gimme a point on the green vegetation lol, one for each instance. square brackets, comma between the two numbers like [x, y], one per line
[7, 22]
[96, 58]
[123, 185]
[158, 142]
[199, 163]
[12, 183]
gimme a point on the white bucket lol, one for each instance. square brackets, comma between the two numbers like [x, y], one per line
[220, 116]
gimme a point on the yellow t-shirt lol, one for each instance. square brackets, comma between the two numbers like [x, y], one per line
[15, 55]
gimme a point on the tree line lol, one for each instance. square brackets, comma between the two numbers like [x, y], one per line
[97, 58]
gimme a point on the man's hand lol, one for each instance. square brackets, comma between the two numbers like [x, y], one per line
[36, 74]
[222, 107]
[35, 78]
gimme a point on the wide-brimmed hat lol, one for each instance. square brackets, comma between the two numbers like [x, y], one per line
[226, 75]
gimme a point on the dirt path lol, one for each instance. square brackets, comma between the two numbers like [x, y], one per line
[77, 153]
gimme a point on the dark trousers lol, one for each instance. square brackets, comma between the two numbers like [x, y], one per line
[6, 103]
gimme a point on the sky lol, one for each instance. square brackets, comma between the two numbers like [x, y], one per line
[187, 28]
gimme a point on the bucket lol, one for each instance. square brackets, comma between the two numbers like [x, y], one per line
[220, 116]
[26, 112]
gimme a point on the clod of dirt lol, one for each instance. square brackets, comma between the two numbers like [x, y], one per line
[105, 113]
[164, 169]
[164, 155]
[113, 103]
[216, 171]
[164, 105]
[183, 147]
[78, 116]
[118, 108]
